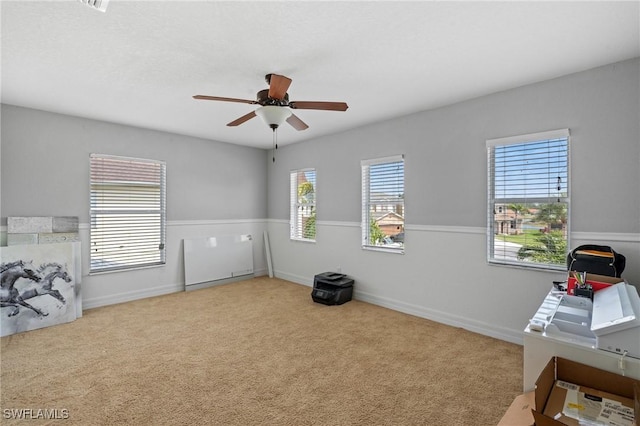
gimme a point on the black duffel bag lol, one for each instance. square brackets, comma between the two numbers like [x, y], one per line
[594, 259]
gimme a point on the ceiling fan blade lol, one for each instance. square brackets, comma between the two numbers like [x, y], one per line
[242, 119]
[328, 106]
[296, 123]
[278, 86]
[218, 98]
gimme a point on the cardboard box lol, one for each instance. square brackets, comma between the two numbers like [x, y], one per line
[573, 405]
[519, 412]
[597, 282]
[550, 399]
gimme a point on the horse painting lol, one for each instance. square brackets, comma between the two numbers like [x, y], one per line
[48, 272]
[9, 295]
[44, 277]
[39, 286]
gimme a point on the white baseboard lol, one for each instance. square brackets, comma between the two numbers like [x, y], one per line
[298, 279]
[130, 296]
[199, 286]
[260, 272]
[485, 329]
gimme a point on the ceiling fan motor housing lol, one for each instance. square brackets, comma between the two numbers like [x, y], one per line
[263, 99]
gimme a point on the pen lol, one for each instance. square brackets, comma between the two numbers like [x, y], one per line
[578, 277]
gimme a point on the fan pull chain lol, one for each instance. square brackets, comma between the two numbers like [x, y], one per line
[274, 145]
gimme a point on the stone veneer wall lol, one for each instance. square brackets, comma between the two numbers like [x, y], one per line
[42, 230]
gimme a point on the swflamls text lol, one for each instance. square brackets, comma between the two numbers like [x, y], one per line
[35, 413]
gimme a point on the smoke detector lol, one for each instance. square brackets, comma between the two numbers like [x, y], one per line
[100, 5]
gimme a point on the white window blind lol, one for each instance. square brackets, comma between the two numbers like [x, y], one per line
[303, 205]
[528, 199]
[127, 213]
[383, 204]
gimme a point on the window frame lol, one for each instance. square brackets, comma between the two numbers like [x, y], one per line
[365, 166]
[560, 196]
[296, 227]
[99, 212]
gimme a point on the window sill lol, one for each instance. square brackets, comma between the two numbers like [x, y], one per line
[383, 249]
[302, 240]
[133, 268]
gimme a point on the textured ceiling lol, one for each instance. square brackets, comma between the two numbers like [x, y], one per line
[141, 61]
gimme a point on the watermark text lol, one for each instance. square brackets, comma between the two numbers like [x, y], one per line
[35, 413]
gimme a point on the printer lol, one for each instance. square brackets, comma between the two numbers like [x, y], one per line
[611, 322]
[616, 319]
[332, 288]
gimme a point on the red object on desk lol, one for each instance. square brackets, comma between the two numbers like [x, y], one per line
[597, 282]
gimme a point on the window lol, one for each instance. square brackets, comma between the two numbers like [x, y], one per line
[528, 200]
[127, 213]
[303, 205]
[383, 204]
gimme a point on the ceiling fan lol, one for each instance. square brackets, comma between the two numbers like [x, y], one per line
[275, 107]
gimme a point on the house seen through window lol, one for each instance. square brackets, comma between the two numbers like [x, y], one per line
[528, 200]
[127, 210]
[303, 205]
[383, 204]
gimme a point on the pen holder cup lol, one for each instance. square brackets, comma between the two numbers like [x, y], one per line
[584, 292]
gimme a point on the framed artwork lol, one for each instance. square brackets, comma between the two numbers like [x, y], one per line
[38, 286]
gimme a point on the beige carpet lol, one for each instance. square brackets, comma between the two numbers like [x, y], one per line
[257, 352]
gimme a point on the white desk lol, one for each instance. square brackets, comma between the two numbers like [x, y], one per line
[539, 347]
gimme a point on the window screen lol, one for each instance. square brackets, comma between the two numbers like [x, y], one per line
[127, 213]
[303, 205]
[528, 199]
[383, 204]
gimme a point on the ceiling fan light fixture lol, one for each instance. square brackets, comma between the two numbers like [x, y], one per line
[273, 115]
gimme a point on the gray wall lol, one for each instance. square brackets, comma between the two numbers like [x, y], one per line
[445, 153]
[444, 274]
[213, 189]
[45, 168]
